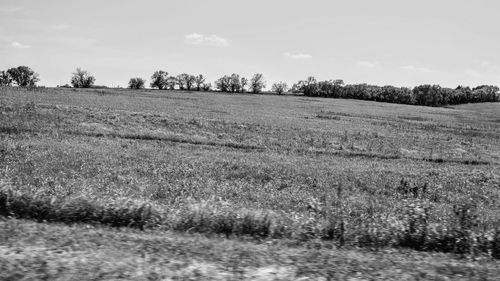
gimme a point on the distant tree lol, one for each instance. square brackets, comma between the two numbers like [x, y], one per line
[223, 84]
[190, 81]
[428, 95]
[235, 84]
[180, 81]
[171, 82]
[136, 83]
[185, 81]
[462, 95]
[338, 82]
[5, 79]
[23, 76]
[159, 79]
[394, 95]
[488, 88]
[279, 87]
[199, 82]
[257, 83]
[337, 87]
[82, 79]
[327, 88]
[309, 86]
[485, 93]
[243, 83]
[206, 87]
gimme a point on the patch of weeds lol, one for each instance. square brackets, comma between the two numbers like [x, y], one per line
[328, 117]
[221, 218]
[414, 234]
[412, 118]
[406, 188]
[460, 161]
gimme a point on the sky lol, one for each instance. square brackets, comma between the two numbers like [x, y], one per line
[381, 42]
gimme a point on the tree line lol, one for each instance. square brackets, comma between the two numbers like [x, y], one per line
[427, 95]
[161, 80]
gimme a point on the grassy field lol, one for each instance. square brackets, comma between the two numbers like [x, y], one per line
[148, 185]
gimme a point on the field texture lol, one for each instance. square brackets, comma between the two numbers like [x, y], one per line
[161, 185]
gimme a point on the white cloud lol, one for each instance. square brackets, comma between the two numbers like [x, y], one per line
[60, 26]
[369, 64]
[298, 56]
[19, 45]
[417, 68]
[210, 40]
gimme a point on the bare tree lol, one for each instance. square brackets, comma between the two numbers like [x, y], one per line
[257, 83]
[279, 87]
[82, 79]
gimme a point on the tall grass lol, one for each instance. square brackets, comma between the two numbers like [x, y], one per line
[115, 213]
[413, 230]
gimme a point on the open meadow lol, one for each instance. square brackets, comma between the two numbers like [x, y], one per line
[100, 184]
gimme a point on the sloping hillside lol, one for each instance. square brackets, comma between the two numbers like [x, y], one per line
[110, 184]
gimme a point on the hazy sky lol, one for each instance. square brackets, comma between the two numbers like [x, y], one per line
[398, 42]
